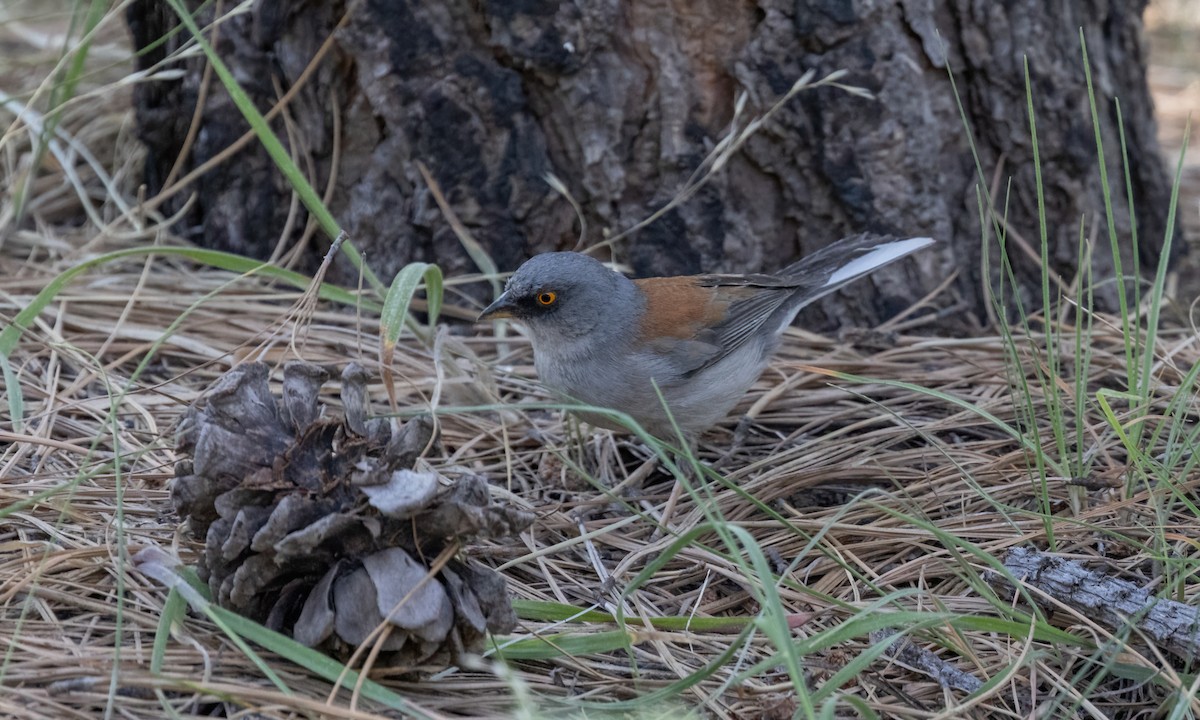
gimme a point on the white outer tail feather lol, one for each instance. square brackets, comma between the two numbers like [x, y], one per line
[879, 256]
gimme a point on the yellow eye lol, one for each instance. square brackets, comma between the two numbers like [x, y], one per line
[546, 298]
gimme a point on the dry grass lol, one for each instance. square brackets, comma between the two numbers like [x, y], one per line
[856, 493]
[816, 448]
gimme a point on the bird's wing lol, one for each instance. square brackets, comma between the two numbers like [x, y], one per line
[718, 314]
[678, 321]
[692, 322]
[751, 301]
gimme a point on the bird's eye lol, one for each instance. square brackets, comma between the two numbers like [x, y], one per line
[547, 298]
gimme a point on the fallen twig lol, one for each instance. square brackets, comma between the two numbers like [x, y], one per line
[1115, 603]
[922, 660]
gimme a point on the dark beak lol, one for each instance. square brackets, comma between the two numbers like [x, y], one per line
[502, 308]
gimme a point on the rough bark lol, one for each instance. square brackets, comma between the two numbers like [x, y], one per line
[622, 99]
[1117, 604]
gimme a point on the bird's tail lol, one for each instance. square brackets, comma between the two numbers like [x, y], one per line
[840, 264]
[850, 258]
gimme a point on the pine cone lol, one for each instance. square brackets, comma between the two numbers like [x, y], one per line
[317, 525]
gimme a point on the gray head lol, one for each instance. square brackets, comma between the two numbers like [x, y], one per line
[563, 295]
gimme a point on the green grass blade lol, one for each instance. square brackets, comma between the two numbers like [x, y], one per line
[12, 390]
[1133, 226]
[546, 647]
[773, 621]
[1127, 329]
[399, 296]
[173, 613]
[1160, 277]
[558, 612]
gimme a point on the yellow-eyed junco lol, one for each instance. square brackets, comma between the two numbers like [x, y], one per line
[604, 340]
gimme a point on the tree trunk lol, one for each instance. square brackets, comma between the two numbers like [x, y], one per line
[623, 99]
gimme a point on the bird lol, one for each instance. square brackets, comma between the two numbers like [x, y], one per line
[701, 341]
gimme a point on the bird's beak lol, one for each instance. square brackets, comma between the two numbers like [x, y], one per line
[502, 308]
